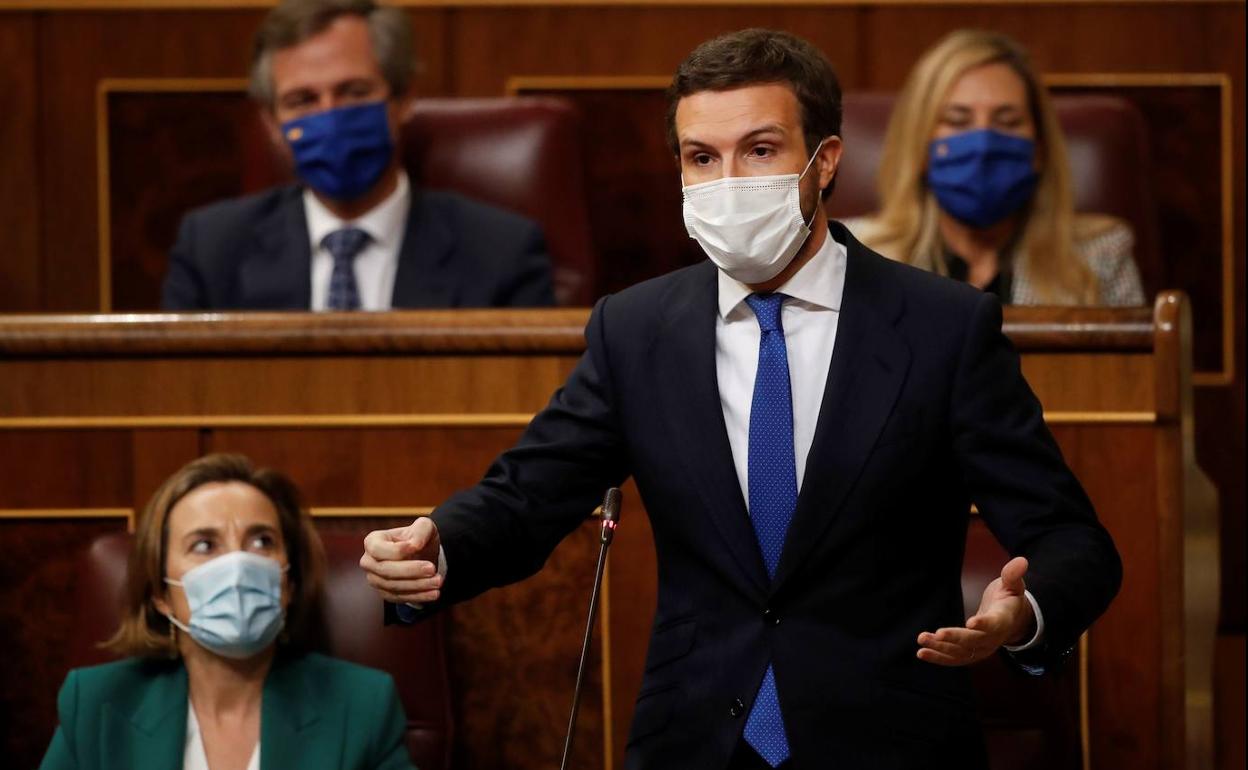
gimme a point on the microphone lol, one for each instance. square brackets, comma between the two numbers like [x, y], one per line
[610, 521]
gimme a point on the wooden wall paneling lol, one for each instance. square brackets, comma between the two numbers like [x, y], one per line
[1186, 119]
[156, 455]
[1220, 411]
[617, 40]
[342, 386]
[1123, 663]
[20, 149]
[212, 145]
[417, 467]
[515, 652]
[77, 51]
[65, 469]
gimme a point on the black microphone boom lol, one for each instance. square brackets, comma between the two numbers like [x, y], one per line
[610, 520]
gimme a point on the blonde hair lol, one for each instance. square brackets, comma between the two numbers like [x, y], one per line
[144, 630]
[906, 227]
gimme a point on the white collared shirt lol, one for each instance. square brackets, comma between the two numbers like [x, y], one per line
[377, 263]
[193, 756]
[809, 317]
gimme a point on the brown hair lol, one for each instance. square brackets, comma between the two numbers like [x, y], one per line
[906, 227]
[756, 57]
[294, 21]
[144, 630]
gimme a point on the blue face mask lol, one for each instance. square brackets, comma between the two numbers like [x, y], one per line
[236, 603]
[341, 153]
[982, 177]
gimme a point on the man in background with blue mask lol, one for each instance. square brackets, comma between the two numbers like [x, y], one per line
[334, 80]
[808, 424]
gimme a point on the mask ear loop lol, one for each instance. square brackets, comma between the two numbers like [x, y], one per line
[800, 176]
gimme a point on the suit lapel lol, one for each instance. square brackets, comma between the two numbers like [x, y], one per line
[277, 274]
[869, 364]
[291, 722]
[423, 278]
[154, 734]
[692, 403]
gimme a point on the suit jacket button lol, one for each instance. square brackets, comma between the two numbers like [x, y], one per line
[736, 709]
[771, 618]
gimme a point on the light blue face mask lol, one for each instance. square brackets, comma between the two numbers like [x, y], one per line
[236, 603]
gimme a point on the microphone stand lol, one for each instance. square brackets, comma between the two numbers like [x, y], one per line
[610, 520]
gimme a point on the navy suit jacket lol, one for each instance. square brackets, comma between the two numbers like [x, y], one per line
[253, 253]
[925, 412]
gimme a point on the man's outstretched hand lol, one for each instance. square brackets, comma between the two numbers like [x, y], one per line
[402, 563]
[1004, 617]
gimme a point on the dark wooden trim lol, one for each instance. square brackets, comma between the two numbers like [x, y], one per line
[450, 332]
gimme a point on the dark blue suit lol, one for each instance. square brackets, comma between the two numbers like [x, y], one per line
[925, 412]
[253, 253]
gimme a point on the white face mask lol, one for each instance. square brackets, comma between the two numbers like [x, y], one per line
[750, 226]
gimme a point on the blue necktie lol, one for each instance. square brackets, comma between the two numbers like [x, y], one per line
[772, 480]
[344, 245]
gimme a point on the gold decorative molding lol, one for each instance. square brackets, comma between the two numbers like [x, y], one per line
[1100, 418]
[66, 513]
[519, 84]
[361, 512]
[325, 512]
[449, 420]
[1085, 719]
[1220, 80]
[108, 86]
[44, 514]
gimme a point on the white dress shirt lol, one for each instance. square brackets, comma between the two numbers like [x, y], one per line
[809, 317]
[193, 756]
[377, 263]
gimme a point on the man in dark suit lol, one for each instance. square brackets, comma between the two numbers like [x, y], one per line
[808, 424]
[333, 77]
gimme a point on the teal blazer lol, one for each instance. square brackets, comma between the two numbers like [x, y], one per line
[317, 713]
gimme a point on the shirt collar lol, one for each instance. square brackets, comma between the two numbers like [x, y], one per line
[820, 283]
[384, 222]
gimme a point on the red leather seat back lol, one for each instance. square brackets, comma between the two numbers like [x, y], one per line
[520, 153]
[1107, 144]
[414, 655]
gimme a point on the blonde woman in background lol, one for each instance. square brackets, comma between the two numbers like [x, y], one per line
[975, 184]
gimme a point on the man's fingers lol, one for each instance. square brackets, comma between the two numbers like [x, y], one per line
[401, 542]
[386, 544]
[945, 648]
[405, 587]
[940, 659]
[1012, 575]
[411, 569]
[954, 646]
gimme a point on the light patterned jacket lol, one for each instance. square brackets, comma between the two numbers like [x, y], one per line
[1106, 245]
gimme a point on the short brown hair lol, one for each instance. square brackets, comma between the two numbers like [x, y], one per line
[294, 21]
[144, 630]
[755, 57]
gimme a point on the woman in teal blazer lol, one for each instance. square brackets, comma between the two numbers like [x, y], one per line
[221, 583]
